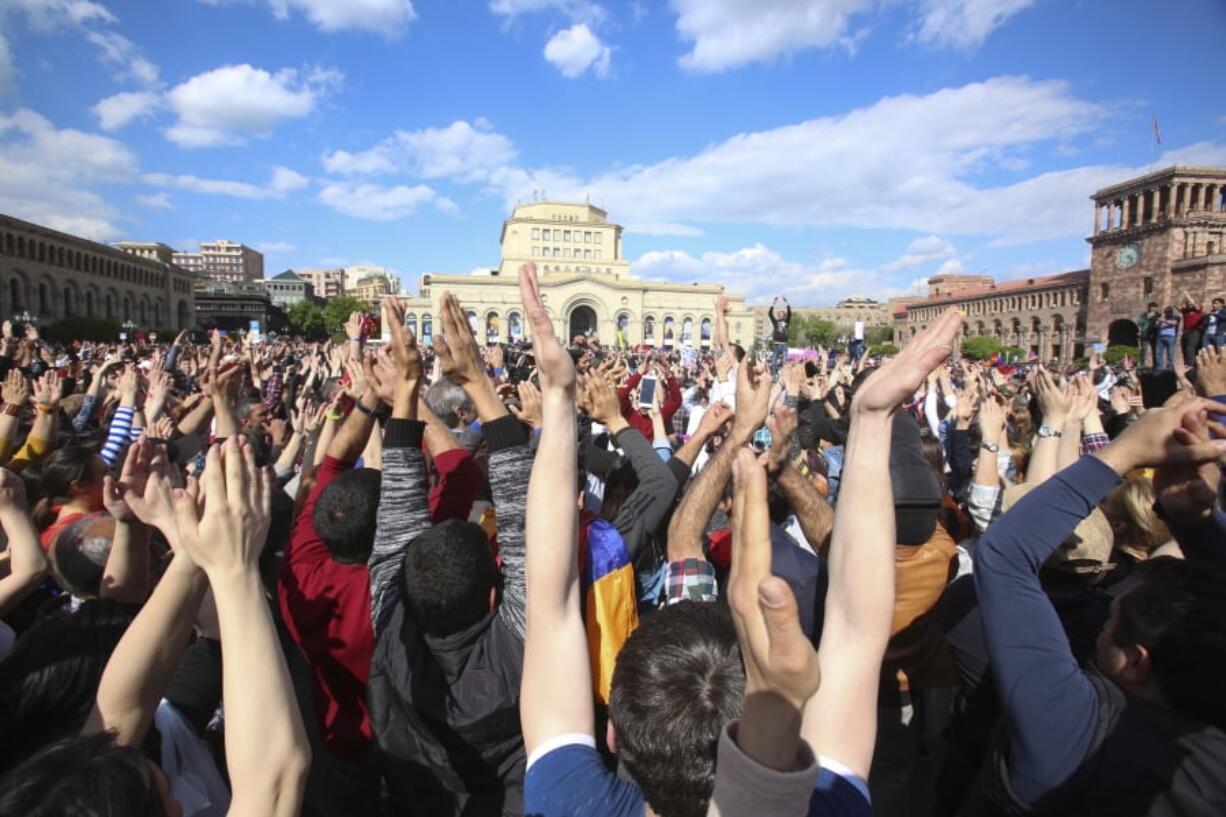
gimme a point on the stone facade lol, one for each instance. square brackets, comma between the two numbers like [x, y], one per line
[1155, 238]
[1043, 316]
[326, 283]
[581, 295]
[53, 275]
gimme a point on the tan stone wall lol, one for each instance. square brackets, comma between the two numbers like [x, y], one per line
[54, 275]
[1042, 319]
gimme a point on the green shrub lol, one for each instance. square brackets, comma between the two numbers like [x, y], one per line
[981, 347]
[1116, 354]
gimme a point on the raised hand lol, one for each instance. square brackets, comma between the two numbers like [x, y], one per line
[48, 390]
[713, 419]
[1210, 372]
[16, 390]
[601, 400]
[1160, 437]
[457, 348]
[781, 667]
[557, 369]
[753, 399]
[157, 393]
[12, 492]
[405, 354]
[896, 381]
[353, 326]
[782, 425]
[1053, 402]
[529, 410]
[226, 533]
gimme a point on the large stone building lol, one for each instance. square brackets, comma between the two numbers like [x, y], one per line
[53, 275]
[286, 289]
[1155, 238]
[1042, 316]
[586, 286]
[223, 260]
[374, 287]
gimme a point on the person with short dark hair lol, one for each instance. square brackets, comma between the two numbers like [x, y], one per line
[779, 332]
[1215, 325]
[448, 623]
[1142, 732]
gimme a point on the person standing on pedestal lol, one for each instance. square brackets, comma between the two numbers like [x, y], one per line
[779, 332]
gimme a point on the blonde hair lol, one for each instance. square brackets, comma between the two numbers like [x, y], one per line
[1131, 506]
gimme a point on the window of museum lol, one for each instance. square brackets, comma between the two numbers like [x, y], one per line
[1105, 291]
[566, 235]
[557, 253]
[536, 233]
[1149, 285]
[587, 255]
[597, 237]
[545, 235]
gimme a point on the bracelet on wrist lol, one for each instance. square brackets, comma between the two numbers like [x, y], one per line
[11, 409]
[47, 408]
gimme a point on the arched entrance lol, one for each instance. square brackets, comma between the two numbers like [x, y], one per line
[1122, 333]
[582, 322]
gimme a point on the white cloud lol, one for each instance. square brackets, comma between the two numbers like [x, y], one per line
[7, 70]
[922, 251]
[964, 24]
[1200, 154]
[460, 150]
[122, 54]
[904, 162]
[386, 17]
[282, 182]
[577, 10]
[48, 15]
[275, 247]
[379, 203]
[116, 111]
[49, 175]
[951, 267]
[574, 50]
[156, 201]
[758, 271]
[729, 33]
[221, 106]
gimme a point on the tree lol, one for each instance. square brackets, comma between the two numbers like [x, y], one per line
[879, 349]
[306, 319]
[1116, 354]
[1015, 353]
[815, 331]
[879, 334]
[981, 347]
[337, 311]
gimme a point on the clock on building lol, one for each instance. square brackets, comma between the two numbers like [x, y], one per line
[1128, 256]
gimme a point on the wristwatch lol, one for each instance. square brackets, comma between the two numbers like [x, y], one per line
[993, 447]
[1048, 431]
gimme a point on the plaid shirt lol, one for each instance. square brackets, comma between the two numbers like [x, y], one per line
[691, 580]
[1093, 442]
[681, 421]
[272, 390]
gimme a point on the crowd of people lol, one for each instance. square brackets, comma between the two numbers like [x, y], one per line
[276, 577]
[1171, 337]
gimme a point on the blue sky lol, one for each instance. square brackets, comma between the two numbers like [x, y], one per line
[822, 148]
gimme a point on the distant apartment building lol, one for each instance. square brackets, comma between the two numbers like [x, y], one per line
[287, 289]
[223, 260]
[327, 283]
[373, 288]
[153, 250]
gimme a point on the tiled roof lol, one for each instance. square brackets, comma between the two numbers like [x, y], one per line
[1022, 285]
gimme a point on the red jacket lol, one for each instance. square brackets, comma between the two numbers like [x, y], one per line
[326, 604]
[641, 422]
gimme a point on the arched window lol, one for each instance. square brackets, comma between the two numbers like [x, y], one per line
[687, 331]
[668, 330]
[705, 330]
[515, 325]
[21, 247]
[493, 328]
[649, 327]
[68, 304]
[110, 306]
[410, 322]
[43, 305]
[89, 304]
[472, 321]
[427, 329]
[15, 299]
